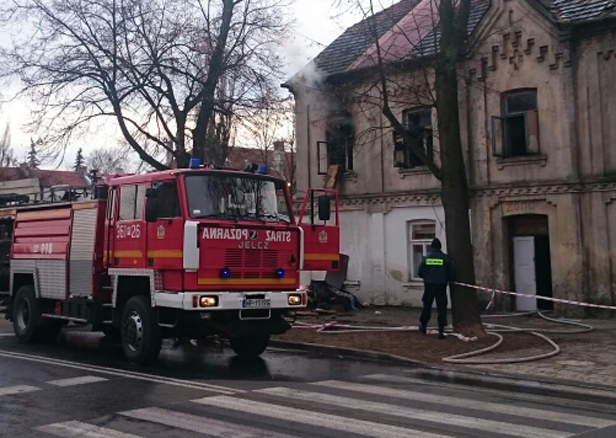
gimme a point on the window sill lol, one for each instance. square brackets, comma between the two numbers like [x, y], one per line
[522, 160]
[349, 176]
[413, 284]
[423, 170]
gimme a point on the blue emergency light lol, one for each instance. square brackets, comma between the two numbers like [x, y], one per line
[225, 273]
[195, 163]
[262, 169]
[280, 273]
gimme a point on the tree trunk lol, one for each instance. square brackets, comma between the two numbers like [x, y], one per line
[454, 189]
[207, 94]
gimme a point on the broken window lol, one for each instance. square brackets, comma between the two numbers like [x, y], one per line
[516, 133]
[339, 144]
[419, 125]
[420, 234]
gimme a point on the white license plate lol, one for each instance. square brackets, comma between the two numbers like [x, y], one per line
[253, 303]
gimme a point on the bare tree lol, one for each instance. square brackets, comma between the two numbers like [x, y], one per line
[270, 128]
[107, 161]
[267, 122]
[156, 68]
[411, 77]
[7, 155]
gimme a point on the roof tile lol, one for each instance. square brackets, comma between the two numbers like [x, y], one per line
[353, 49]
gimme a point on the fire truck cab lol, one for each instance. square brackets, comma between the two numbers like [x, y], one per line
[186, 253]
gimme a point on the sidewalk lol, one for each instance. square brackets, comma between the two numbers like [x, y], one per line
[586, 358]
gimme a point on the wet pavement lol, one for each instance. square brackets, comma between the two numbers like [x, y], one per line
[82, 386]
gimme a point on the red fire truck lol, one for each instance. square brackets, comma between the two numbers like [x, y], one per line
[185, 253]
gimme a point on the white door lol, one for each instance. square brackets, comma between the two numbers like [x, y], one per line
[524, 271]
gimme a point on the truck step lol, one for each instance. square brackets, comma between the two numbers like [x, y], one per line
[64, 318]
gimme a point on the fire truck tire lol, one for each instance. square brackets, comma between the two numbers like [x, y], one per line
[249, 346]
[27, 316]
[140, 333]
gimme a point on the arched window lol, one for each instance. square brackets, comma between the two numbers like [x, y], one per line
[420, 234]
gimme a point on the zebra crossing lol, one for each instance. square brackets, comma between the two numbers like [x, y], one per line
[384, 406]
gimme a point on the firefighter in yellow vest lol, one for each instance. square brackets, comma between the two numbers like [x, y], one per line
[437, 270]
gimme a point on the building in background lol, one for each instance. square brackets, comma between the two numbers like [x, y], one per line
[538, 128]
[280, 159]
[40, 184]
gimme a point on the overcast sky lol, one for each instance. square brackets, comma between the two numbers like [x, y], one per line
[318, 23]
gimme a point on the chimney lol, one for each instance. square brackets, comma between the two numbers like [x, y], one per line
[279, 157]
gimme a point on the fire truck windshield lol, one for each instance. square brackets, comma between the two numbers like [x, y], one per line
[237, 197]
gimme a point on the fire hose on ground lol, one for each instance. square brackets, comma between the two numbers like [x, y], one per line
[492, 329]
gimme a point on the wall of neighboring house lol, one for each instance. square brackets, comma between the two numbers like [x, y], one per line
[596, 133]
[566, 178]
[26, 186]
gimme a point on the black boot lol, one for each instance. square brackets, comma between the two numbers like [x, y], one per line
[441, 333]
[422, 328]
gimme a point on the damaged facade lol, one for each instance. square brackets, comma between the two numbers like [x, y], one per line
[539, 128]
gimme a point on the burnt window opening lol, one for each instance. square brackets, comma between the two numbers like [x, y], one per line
[419, 126]
[339, 144]
[516, 132]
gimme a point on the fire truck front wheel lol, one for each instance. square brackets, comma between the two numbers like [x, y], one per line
[249, 346]
[141, 338]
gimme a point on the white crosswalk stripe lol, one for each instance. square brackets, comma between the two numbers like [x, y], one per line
[540, 414]
[18, 389]
[417, 414]
[335, 422]
[77, 429]
[194, 423]
[536, 397]
[76, 381]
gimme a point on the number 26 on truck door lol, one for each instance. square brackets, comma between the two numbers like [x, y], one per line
[132, 231]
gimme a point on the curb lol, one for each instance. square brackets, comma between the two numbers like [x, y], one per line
[353, 352]
[464, 375]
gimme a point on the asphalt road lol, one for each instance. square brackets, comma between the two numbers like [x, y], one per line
[83, 388]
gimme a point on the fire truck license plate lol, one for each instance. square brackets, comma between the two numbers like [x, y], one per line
[253, 302]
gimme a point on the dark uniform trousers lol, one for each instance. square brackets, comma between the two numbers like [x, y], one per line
[432, 292]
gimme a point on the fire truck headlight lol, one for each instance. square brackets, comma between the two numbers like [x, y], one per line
[294, 300]
[280, 273]
[208, 301]
[225, 273]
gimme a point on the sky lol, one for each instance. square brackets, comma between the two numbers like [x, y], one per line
[317, 24]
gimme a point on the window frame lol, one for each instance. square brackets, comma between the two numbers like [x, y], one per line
[413, 264]
[156, 185]
[426, 137]
[501, 130]
[138, 202]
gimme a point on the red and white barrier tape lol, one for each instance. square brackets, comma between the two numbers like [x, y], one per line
[539, 297]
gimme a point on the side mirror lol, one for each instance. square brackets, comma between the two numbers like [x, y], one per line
[324, 208]
[150, 205]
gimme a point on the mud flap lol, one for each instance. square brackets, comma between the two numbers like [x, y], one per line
[321, 230]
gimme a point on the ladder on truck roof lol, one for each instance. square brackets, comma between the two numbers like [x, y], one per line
[51, 195]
